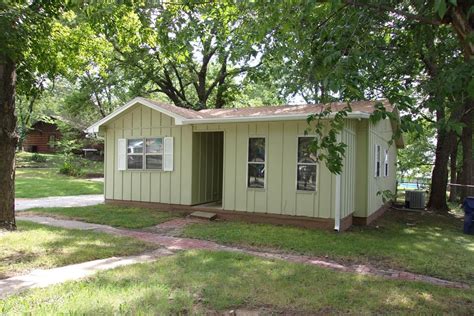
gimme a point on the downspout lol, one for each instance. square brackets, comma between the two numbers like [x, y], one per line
[337, 204]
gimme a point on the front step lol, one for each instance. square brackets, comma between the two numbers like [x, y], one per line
[203, 215]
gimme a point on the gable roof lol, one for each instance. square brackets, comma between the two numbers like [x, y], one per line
[182, 116]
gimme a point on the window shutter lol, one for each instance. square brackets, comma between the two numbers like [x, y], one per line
[168, 154]
[122, 154]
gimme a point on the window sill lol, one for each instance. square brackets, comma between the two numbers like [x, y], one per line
[144, 170]
[257, 189]
[306, 192]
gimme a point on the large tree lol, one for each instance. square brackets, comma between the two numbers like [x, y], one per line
[418, 54]
[24, 49]
[193, 52]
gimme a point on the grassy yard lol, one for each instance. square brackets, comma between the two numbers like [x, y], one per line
[26, 160]
[200, 282]
[38, 246]
[35, 183]
[422, 243]
[117, 216]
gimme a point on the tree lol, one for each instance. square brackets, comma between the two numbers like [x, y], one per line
[350, 50]
[23, 50]
[191, 51]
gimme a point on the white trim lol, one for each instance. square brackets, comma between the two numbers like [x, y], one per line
[144, 154]
[181, 120]
[94, 128]
[386, 163]
[264, 163]
[263, 118]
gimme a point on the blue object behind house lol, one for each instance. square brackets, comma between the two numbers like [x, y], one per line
[469, 215]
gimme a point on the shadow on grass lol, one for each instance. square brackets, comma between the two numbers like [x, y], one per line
[201, 281]
[429, 244]
[36, 246]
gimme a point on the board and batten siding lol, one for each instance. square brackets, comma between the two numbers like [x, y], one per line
[280, 195]
[348, 174]
[148, 185]
[380, 133]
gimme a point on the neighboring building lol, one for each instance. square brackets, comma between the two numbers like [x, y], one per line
[41, 138]
[247, 163]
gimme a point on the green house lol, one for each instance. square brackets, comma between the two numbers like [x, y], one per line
[251, 164]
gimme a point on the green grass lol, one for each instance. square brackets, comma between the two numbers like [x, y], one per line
[422, 243]
[35, 183]
[54, 161]
[200, 282]
[117, 216]
[24, 160]
[35, 246]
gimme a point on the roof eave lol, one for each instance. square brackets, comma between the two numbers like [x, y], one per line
[94, 128]
[264, 118]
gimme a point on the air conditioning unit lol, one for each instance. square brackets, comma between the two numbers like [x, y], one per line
[415, 199]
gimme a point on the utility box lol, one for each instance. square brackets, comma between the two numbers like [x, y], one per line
[468, 206]
[415, 199]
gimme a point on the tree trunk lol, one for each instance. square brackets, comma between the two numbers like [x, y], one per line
[439, 178]
[8, 141]
[453, 171]
[466, 176]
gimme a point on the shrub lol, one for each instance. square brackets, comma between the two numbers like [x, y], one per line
[70, 168]
[38, 158]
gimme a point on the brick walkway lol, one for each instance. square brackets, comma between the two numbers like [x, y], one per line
[178, 243]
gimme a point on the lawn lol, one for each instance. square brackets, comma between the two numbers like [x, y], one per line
[117, 216]
[27, 160]
[35, 246]
[205, 282]
[428, 244]
[36, 182]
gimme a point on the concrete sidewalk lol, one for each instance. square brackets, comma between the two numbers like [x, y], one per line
[59, 201]
[44, 278]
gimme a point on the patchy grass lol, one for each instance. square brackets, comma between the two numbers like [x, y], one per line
[117, 216]
[428, 244]
[25, 160]
[35, 246]
[200, 282]
[35, 183]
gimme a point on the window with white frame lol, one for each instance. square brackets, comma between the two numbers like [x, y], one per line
[256, 163]
[306, 165]
[145, 153]
[378, 153]
[385, 164]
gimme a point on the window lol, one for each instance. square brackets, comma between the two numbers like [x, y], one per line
[385, 164]
[145, 153]
[377, 160]
[154, 153]
[256, 163]
[306, 165]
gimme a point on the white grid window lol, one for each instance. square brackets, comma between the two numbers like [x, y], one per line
[145, 153]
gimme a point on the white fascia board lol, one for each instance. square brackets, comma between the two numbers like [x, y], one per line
[94, 128]
[288, 117]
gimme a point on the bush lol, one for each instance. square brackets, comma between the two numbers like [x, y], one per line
[38, 158]
[70, 168]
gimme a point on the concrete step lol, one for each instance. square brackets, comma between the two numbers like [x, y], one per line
[203, 215]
